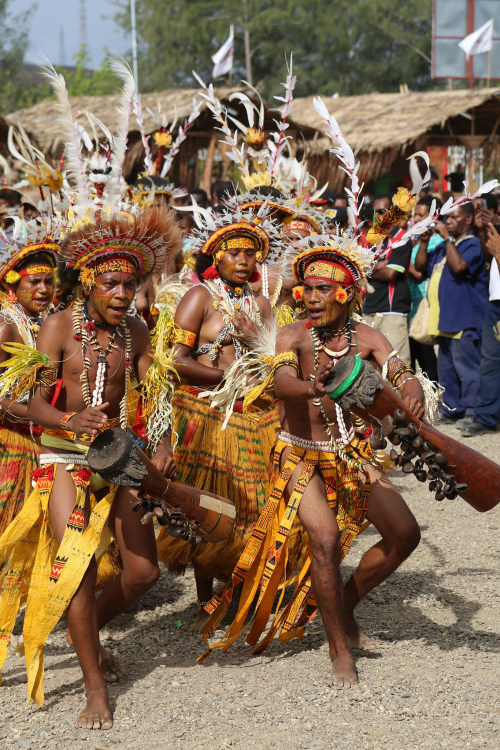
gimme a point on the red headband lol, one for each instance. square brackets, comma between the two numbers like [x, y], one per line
[327, 269]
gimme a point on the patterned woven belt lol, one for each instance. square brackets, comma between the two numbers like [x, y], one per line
[63, 458]
[311, 445]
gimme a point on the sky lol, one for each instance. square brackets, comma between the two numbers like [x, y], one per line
[55, 18]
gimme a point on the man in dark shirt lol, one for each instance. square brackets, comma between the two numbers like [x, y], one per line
[386, 308]
[457, 294]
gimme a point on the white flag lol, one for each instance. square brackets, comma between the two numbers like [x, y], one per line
[223, 58]
[479, 41]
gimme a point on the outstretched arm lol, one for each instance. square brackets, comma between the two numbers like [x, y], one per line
[406, 382]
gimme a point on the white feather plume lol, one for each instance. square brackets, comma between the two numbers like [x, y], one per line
[343, 152]
[418, 182]
[75, 167]
[122, 70]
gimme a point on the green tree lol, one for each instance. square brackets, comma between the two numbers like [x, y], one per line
[346, 47]
[13, 40]
[82, 80]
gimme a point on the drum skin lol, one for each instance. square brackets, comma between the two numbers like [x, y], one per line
[116, 457]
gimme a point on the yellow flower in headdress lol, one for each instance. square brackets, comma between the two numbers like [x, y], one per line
[403, 200]
[341, 295]
[373, 237]
[12, 277]
[87, 276]
[163, 139]
[51, 178]
[257, 180]
[255, 138]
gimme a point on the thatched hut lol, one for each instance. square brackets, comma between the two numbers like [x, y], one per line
[384, 129]
[202, 158]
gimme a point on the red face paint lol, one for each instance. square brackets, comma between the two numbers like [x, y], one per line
[321, 303]
[237, 265]
[34, 292]
[111, 297]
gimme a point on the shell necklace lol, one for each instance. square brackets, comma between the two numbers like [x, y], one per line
[322, 335]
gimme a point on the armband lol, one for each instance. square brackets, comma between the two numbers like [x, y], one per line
[64, 421]
[395, 368]
[286, 359]
[181, 336]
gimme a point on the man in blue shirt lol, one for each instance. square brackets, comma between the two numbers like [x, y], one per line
[457, 294]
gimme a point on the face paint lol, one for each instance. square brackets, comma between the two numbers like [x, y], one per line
[111, 297]
[34, 292]
[237, 265]
[321, 301]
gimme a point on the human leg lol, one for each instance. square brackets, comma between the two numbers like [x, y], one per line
[137, 547]
[400, 533]
[81, 614]
[448, 379]
[321, 526]
[425, 356]
[487, 412]
[466, 356]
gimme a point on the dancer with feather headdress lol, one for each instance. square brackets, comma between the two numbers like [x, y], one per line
[214, 324]
[93, 348]
[27, 279]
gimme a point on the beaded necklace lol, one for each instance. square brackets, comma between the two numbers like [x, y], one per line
[321, 336]
[346, 435]
[228, 300]
[264, 272]
[84, 328]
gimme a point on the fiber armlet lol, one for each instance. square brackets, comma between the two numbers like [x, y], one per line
[286, 359]
[181, 336]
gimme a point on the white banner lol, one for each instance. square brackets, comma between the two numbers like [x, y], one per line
[223, 58]
[479, 41]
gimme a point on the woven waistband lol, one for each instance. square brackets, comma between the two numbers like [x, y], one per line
[311, 445]
[63, 458]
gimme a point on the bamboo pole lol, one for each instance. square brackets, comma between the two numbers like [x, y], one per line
[209, 162]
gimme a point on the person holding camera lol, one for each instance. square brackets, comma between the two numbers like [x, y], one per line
[457, 294]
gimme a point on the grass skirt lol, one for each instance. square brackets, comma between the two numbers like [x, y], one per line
[18, 458]
[44, 574]
[264, 567]
[234, 463]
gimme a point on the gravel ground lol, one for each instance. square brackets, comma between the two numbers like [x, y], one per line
[432, 683]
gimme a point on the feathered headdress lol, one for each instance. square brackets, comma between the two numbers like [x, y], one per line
[96, 179]
[144, 240]
[154, 179]
[344, 252]
[39, 172]
[211, 228]
[258, 155]
[41, 236]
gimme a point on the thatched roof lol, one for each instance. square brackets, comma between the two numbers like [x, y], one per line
[376, 122]
[40, 120]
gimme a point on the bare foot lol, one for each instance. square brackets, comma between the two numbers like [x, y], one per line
[199, 621]
[110, 666]
[96, 714]
[344, 674]
[355, 635]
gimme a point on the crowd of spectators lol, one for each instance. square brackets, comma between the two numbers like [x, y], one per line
[454, 267]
